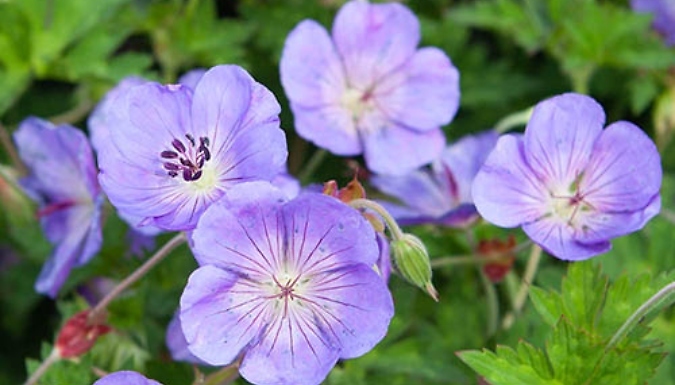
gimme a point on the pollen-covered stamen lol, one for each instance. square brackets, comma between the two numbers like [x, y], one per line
[187, 158]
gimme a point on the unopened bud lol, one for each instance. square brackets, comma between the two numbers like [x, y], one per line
[412, 262]
[664, 118]
[78, 335]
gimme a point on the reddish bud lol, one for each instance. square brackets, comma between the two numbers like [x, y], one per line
[501, 257]
[353, 190]
[78, 335]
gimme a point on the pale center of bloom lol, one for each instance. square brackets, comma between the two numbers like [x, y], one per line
[357, 102]
[570, 206]
[187, 158]
[287, 290]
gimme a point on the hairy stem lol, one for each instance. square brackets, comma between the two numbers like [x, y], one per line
[394, 229]
[519, 118]
[42, 369]
[524, 290]
[100, 307]
[665, 295]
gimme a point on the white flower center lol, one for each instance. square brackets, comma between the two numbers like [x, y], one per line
[357, 102]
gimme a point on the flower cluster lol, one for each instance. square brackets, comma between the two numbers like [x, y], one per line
[288, 281]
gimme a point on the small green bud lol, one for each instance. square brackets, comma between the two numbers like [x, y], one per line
[411, 260]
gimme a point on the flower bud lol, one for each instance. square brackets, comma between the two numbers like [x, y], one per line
[412, 262]
[78, 335]
[664, 118]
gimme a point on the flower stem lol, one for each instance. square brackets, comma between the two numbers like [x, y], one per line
[136, 275]
[523, 291]
[519, 118]
[312, 165]
[394, 229]
[665, 295]
[75, 114]
[6, 142]
[42, 369]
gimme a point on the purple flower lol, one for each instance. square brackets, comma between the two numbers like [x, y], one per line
[571, 185]
[62, 179]
[175, 341]
[440, 195]
[664, 16]
[368, 89]
[125, 378]
[288, 286]
[180, 150]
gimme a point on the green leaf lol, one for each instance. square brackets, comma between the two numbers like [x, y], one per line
[54, 25]
[526, 365]
[521, 21]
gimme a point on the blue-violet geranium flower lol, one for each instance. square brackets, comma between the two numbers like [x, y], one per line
[571, 185]
[442, 194]
[62, 179]
[125, 377]
[287, 286]
[368, 89]
[180, 149]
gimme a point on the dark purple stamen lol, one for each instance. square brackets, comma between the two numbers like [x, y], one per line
[188, 160]
[178, 145]
[168, 155]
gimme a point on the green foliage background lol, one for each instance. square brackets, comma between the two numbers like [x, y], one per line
[59, 57]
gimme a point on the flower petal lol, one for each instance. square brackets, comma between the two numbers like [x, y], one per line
[505, 190]
[177, 344]
[396, 150]
[60, 161]
[624, 172]
[463, 159]
[146, 119]
[374, 39]
[220, 314]
[557, 238]
[560, 135]
[329, 127]
[243, 231]
[317, 244]
[346, 312]
[311, 70]
[357, 307]
[125, 378]
[292, 350]
[98, 123]
[599, 226]
[423, 94]
[418, 190]
[78, 238]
